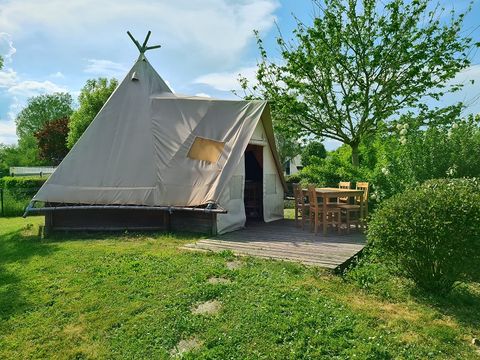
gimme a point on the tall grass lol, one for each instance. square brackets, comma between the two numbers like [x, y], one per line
[15, 202]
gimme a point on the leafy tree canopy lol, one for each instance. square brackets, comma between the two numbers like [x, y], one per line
[52, 141]
[360, 64]
[287, 148]
[13, 155]
[91, 99]
[41, 109]
[313, 152]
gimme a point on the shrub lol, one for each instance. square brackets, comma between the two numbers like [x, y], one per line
[330, 171]
[17, 192]
[450, 151]
[293, 179]
[17, 183]
[432, 232]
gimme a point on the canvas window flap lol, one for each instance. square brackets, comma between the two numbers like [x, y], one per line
[205, 149]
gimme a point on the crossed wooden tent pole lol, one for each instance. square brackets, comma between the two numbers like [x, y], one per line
[143, 48]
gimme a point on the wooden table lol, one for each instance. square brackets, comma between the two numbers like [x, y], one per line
[327, 193]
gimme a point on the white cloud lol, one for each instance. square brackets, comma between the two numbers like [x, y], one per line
[226, 81]
[7, 126]
[32, 88]
[202, 95]
[57, 75]
[8, 78]
[6, 47]
[7, 132]
[210, 28]
[106, 68]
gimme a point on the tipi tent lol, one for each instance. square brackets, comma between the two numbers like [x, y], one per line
[155, 159]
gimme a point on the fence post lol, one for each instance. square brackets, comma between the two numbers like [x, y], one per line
[1, 201]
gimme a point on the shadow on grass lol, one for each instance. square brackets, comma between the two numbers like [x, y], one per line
[383, 279]
[462, 303]
[17, 247]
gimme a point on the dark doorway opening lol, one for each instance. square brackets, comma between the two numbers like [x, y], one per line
[253, 196]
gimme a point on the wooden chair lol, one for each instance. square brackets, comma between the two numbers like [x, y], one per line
[316, 212]
[351, 212]
[344, 185]
[341, 200]
[301, 207]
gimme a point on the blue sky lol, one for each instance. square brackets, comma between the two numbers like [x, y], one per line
[56, 45]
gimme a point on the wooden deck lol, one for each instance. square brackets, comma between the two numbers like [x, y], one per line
[282, 240]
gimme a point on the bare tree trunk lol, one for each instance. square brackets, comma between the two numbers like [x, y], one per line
[355, 155]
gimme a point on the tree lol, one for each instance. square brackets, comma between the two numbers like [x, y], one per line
[40, 110]
[13, 155]
[360, 64]
[287, 149]
[313, 152]
[91, 99]
[52, 141]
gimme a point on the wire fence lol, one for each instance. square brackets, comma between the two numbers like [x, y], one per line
[14, 201]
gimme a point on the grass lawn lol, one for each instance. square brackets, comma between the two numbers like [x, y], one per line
[131, 296]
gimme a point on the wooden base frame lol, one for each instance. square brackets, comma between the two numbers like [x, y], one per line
[116, 219]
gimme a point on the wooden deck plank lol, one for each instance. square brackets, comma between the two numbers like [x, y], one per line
[282, 240]
[270, 255]
[301, 249]
[278, 252]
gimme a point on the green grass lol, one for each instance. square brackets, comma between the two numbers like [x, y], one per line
[129, 296]
[15, 204]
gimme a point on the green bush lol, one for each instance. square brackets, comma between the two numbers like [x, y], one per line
[330, 171]
[449, 151]
[17, 192]
[11, 182]
[293, 179]
[431, 232]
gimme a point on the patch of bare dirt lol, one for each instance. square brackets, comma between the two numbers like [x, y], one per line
[234, 265]
[218, 280]
[185, 346]
[211, 307]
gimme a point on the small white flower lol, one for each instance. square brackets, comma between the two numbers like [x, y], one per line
[385, 171]
[403, 132]
[406, 126]
[403, 140]
[449, 133]
[399, 126]
[452, 170]
[454, 126]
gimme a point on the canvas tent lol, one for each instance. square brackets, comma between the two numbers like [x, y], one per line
[149, 149]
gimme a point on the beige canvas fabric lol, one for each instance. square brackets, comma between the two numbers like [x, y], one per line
[232, 197]
[136, 150]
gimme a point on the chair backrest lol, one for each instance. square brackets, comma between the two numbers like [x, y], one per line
[363, 186]
[298, 194]
[312, 196]
[344, 185]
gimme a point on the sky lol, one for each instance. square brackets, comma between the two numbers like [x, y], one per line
[56, 45]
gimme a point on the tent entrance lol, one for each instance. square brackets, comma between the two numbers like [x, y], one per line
[253, 196]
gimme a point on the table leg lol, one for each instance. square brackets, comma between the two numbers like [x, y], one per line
[324, 215]
[362, 225]
[365, 206]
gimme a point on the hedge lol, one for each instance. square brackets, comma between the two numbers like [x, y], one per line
[432, 232]
[12, 183]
